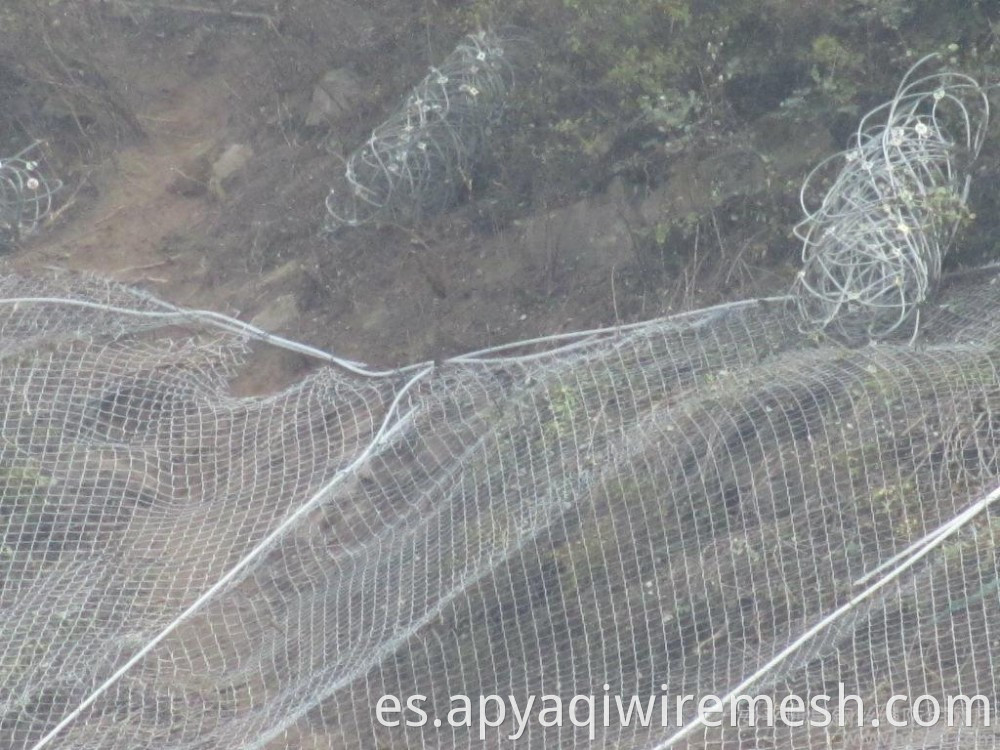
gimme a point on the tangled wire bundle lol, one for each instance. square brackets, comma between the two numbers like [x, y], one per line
[872, 250]
[415, 163]
[25, 195]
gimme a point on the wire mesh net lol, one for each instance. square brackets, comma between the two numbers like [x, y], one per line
[26, 194]
[713, 503]
[417, 162]
[873, 247]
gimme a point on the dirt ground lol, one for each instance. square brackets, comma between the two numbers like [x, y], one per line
[691, 216]
[150, 217]
[150, 214]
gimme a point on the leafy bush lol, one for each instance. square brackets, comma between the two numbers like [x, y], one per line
[621, 85]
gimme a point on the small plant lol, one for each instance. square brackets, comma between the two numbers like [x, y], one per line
[23, 492]
[564, 403]
[833, 69]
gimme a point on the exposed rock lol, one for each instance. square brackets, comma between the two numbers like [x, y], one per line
[279, 314]
[591, 233]
[225, 169]
[212, 169]
[286, 275]
[191, 177]
[337, 94]
[794, 146]
[699, 184]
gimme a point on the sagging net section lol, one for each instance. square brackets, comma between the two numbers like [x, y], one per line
[712, 503]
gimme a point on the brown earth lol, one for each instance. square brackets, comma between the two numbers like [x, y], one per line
[153, 215]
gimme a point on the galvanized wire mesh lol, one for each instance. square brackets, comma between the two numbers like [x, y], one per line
[873, 247]
[708, 503]
[417, 162]
[26, 194]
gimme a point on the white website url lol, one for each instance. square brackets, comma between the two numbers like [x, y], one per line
[486, 713]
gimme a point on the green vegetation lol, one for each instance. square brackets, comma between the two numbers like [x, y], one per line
[643, 92]
[22, 507]
[648, 90]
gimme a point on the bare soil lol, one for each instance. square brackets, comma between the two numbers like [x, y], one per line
[149, 215]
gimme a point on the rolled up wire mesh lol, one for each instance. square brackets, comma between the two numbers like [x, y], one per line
[26, 194]
[873, 248]
[416, 162]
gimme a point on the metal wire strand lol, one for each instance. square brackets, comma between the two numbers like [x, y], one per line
[873, 248]
[415, 163]
[26, 194]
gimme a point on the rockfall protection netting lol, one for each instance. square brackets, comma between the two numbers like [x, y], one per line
[873, 247]
[417, 162]
[26, 193]
[713, 502]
